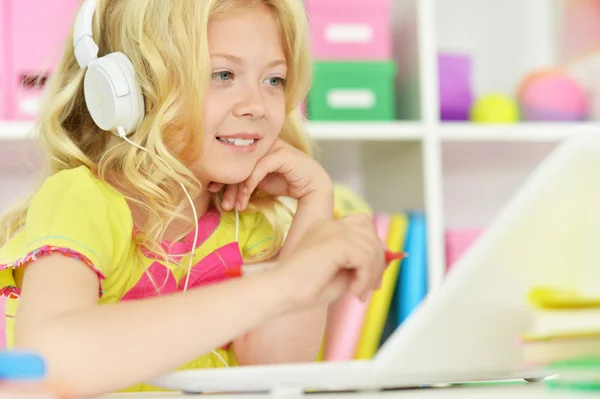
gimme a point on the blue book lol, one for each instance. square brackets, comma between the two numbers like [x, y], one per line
[412, 278]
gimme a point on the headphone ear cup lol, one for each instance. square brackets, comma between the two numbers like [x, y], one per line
[135, 94]
[111, 93]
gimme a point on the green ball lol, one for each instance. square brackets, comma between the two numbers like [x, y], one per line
[495, 108]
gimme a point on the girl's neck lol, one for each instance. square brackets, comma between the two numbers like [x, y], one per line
[201, 203]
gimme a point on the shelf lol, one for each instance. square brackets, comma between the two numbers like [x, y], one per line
[401, 131]
[17, 130]
[393, 131]
[518, 132]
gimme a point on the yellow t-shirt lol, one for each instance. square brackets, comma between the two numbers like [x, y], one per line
[79, 216]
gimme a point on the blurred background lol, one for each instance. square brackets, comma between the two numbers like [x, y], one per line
[434, 111]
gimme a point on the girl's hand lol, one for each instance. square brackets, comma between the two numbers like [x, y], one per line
[333, 258]
[284, 171]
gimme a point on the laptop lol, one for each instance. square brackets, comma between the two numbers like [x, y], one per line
[469, 328]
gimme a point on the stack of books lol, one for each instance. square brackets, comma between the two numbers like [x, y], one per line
[565, 337]
[356, 330]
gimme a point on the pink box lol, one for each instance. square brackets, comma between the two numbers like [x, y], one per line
[350, 29]
[457, 242]
[38, 32]
[4, 94]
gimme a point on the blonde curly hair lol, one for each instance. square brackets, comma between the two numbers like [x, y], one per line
[166, 40]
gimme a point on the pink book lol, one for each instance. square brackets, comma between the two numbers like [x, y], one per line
[346, 315]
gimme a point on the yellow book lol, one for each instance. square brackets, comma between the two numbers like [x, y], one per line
[380, 300]
[553, 298]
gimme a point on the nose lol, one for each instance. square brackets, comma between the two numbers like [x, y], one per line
[251, 104]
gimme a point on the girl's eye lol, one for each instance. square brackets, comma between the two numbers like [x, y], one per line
[223, 75]
[276, 82]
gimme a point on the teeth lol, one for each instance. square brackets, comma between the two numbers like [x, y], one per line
[237, 142]
[243, 142]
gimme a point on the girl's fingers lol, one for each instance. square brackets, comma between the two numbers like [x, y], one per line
[363, 271]
[215, 187]
[367, 258]
[269, 164]
[230, 197]
[361, 286]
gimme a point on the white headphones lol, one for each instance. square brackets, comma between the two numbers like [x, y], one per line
[112, 95]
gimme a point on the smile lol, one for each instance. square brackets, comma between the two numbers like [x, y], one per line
[238, 142]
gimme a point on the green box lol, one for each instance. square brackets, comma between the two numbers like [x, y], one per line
[353, 91]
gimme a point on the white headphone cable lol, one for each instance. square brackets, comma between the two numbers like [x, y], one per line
[123, 135]
[237, 225]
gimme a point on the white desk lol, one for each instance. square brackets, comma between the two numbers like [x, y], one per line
[525, 391]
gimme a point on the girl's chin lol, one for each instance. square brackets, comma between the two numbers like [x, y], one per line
[227, 181]
[221, 178]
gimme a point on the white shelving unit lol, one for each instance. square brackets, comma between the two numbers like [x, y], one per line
[461, 174]
[519, 133]
[399, 131]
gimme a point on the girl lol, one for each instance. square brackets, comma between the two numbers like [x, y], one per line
[120, 263]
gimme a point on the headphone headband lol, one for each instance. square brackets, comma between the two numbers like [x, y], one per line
[112, 95]
[86, 50]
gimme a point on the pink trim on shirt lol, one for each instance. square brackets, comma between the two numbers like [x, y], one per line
[212, 268]
[207, 224]
[10, 292]
[49, 250]
[164, 283]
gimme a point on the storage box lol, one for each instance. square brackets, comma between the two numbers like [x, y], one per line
[454, 76]
[4, 95]
[38, 32]
[457, 242]
[350, 29]
[353, 91]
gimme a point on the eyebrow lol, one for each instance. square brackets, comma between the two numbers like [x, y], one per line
[238, 60]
